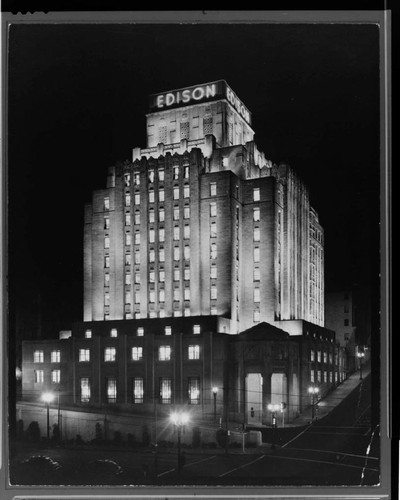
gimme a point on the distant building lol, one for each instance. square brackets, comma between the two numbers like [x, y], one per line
[203, 267]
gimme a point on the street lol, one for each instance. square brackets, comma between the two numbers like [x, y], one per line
[340, 449]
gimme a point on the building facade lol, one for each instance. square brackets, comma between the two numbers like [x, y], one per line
[203, 277]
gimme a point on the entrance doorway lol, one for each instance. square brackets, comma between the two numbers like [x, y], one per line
[254, 383]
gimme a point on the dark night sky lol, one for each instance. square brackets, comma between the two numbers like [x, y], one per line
[78, 95]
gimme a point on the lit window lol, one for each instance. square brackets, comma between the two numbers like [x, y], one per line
[55, 356]
[55, 376]
[325, 357]
[128, 239]
[186, 192]
[161, 215]
[256, 214]
[128, 278]
[168, 330]
[256, 255]
[151, 215]
[213, 229]
[186, 273]
[312, 355]
[213, 209]
[194, 352]
[110, 354]
[176, 253]
[312, 376]
[106, 203]
[186, 232]
[161, 196]
[177, 274]
[127, 200]
[140, 331]
[213, 272]
[256, 274]
[186, 311]
[152, 276]
[152, 255]
[138, 390]
[186, 212]
[330, 358]
[161, 175]
[107, 242]
[256, 194]
[106, 280]
[161, 296]
[39, 376]
[213, 188]
[176, 213]
[194, 390]
[176, 233]
[186, 294]
[213, 252]
[256, 316]
[84, 355]
[325, 376]
[256, 234]
[177, 314]
[107, 261]
[127, 179]
[88, 334]
[214, 311]
[152, 296]
[38, 357]
[176, 193]
[213, 292]
[256, 295]
[137, 179]
[186, 172]
[161, 255]
[165, 390]
[137, 353]
[106, 222]
[330, 377]
[161, 276]
[319, 356]
[177, 294]
[151, 176]
[127, 298]
[137, 238]
[164, 353]
[85, 390]
[137, 315]
[113, 332]
[137, 218]
[319, 376]
[151, 196]
[137, 278]
[186, 252]
[128, 259]
[137, 199]
[161, 235]
[152, 235]
[196, 329]
[111, 390]
[176, 173]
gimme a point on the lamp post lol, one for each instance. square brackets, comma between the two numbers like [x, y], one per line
[215, 391]
[47, 398]
[313, 390]
[360, 356]
[273, 408]
[179, 419]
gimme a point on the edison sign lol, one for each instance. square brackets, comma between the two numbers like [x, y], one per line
[199, 93]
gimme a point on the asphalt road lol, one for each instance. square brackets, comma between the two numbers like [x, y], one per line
[341, 449]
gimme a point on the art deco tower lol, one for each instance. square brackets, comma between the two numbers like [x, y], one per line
[201, 223]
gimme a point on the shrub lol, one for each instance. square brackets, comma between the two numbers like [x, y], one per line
[33, 432]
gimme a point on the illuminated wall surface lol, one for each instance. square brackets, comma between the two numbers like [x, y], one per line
[200, 223]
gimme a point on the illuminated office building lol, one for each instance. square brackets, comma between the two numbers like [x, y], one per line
[200, 223]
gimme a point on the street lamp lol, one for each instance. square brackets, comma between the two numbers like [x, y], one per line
[360, 356]
[179, 419]
[273, 408]
[215, 391]
[313, 390]
[47, 398]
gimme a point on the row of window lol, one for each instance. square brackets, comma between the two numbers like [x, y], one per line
[319, 376]
[325, 355]
[177, 172]
[138, 392]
